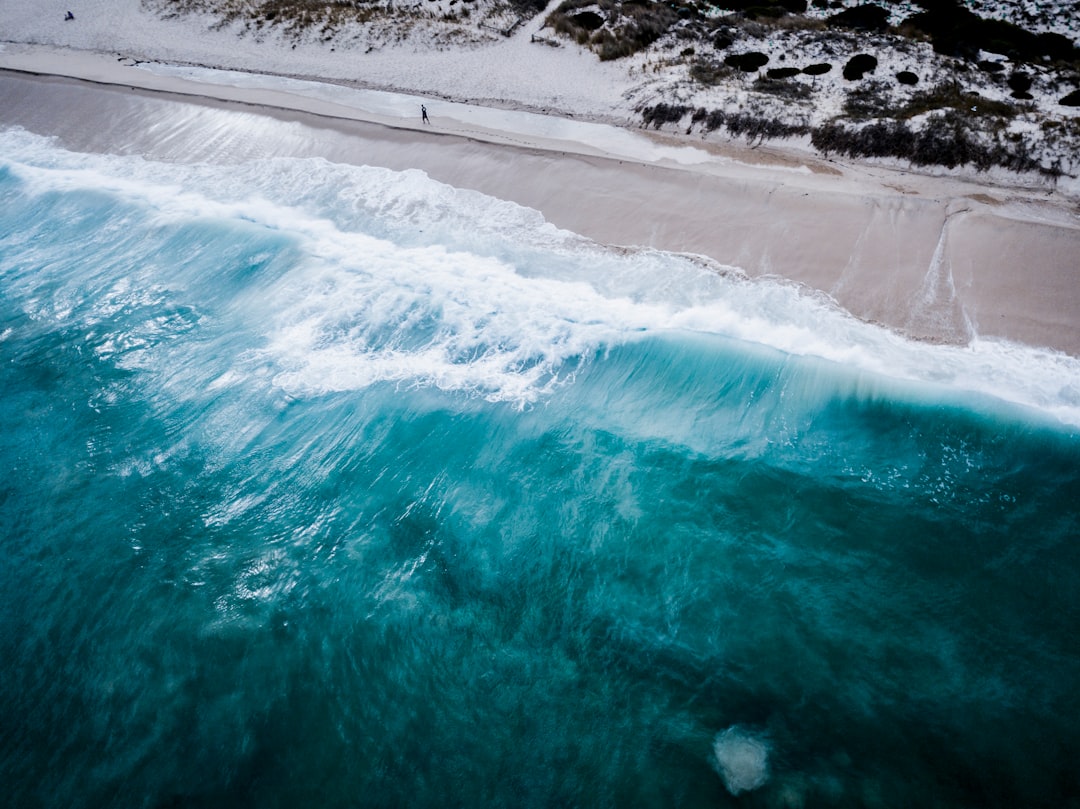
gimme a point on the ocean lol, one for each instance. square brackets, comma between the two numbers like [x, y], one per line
[333, 485]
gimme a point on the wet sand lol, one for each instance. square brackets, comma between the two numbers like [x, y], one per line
[934, 258]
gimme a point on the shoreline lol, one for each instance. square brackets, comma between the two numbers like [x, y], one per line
[933, 258]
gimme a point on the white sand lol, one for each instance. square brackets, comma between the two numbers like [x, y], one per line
[933, 257]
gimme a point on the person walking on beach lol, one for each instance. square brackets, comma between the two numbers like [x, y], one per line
[423, 114]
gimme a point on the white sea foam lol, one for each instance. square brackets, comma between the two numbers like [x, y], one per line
[742, 759]
[406, 280]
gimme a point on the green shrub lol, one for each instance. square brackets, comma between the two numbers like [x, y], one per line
[1019, 82]
[621, 30]
[750, 125]
[589, 20]
[948, 96]
[869, 101]
[747, 62]
[773, 8]
[867, 17]
[782, 72]
[956, 31]
[788, 90]
[528, 8]
[879, 139]
[766, 12]
[759, 127]
[858, 65]
[661, 114]
[945, 140]
[708, 72]
[1058, 47]
[610, 45]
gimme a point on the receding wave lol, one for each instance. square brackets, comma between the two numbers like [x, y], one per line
[401, 279]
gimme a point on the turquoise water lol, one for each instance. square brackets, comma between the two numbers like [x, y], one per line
[334, 486]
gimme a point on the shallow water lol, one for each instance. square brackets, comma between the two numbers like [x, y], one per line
[336, 486]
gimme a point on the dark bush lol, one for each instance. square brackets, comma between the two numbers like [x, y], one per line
[1071, 100]
[1057, 47]
[818, 69]
[907, 77]
[768, 12]
[1021, 95]
[763, 8]
[832, 138]
[949, 27]
[661, 114]
[722, 41]
[589, 20]
[879, 139]
[944, 141]
[858, 65]
[782, 72]
[948, 96]
[609, 45]
[956, 31]
[868, 101]
[937, 5]
[528, 8]
[998, 36]
[630, 26]
[867, 18]
[887, 139]
[789, 90]
[714, 120]
[747, 62]
[754, 127]
[1019, 82]
[986, 66]
[708, 72]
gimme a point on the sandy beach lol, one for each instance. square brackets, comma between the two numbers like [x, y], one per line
[527, 456]
[937, 258]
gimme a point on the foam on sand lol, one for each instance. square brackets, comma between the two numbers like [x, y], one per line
[930, 261]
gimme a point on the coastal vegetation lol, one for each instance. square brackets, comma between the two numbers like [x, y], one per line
[941, 86]
[978, 83]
